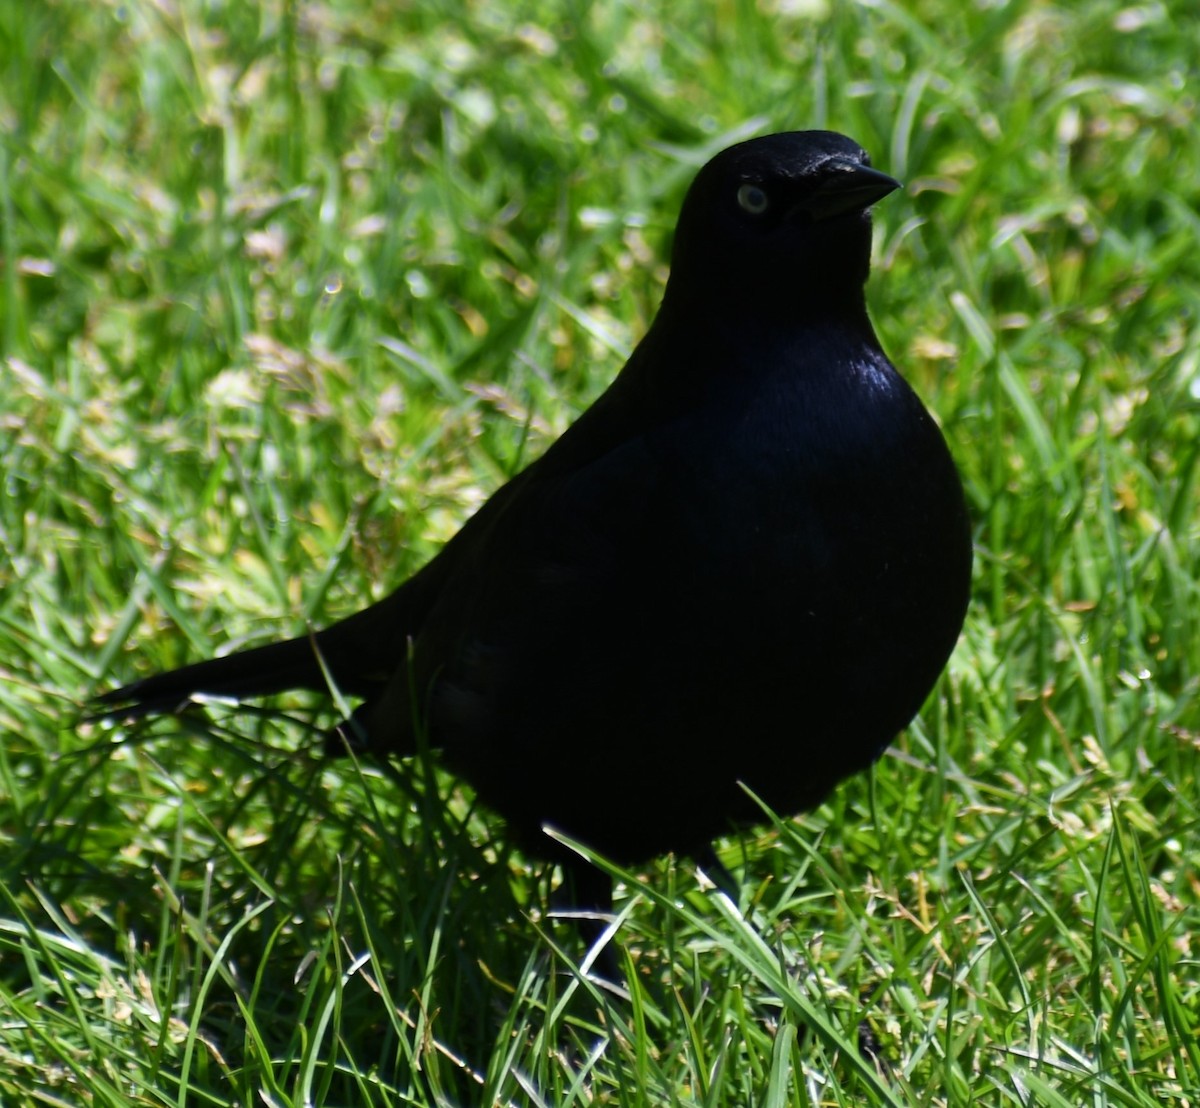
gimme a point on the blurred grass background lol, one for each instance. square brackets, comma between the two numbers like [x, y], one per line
[286, 290]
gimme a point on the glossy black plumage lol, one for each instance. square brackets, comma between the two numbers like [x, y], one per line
[747, 561]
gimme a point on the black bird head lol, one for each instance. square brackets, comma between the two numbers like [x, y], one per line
[778, 224]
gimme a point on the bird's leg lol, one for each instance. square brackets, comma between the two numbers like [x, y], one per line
[586, 896]
[716, 871]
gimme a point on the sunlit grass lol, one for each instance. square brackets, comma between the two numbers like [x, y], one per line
[285, 292]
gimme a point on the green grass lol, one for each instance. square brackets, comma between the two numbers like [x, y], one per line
[285, 291]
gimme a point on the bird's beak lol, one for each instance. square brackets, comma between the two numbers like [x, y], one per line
[845, 186]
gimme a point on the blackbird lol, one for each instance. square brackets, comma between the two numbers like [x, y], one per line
[746, 562]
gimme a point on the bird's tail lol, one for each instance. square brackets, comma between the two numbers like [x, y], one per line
[357, 655]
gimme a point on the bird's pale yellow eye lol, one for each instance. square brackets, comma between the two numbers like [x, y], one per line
[752, 199]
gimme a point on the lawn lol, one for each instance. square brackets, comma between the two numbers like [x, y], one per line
[287, 290]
